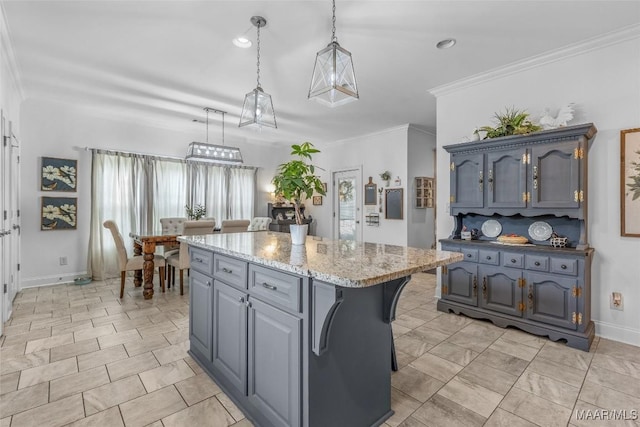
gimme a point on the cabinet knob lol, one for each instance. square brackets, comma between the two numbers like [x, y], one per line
[537, 263]
[241, 299]
[563, 266]
[489, 257]
[208, 284]
[198, 259]
[513, 260]
[226, 270]
[468, 255]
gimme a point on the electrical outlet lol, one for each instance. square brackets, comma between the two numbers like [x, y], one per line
[63, 260]
[615, 301]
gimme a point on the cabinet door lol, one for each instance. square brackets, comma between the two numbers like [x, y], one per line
[555, 176]
[275, 363]
[461, 283]
[467, 180]
[200, 299]
[500, 291]
[506, 179]
[230, 334]
[550, 299]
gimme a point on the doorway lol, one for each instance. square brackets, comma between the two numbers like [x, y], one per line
[10, 240]
[346, 202]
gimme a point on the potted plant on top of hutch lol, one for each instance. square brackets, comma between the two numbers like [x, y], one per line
[296, 179]
[520, 189]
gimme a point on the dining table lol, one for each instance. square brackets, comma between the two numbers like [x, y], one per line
[145, 244]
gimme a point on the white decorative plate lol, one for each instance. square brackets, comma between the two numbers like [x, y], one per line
[491, 228]
[540, 231]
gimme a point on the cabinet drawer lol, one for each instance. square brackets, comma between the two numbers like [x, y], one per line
[489, 257]
[536, 262]
[513, 259]
[281, 289]
[470, 255]
[230, 270]
[451, 248]
[564, 266]
[201, 260]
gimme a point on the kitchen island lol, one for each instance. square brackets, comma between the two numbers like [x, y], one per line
[300, 335]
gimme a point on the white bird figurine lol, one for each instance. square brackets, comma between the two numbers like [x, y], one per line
[565, 114]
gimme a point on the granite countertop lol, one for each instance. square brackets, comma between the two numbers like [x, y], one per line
[339, 262]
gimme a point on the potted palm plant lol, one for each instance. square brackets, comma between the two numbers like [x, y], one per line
[296, 180]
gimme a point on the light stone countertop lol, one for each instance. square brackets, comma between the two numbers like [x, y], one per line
[339, 262]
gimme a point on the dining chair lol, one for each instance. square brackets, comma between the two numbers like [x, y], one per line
[134, 263]
[235, 225]
[259, 223]
[180, 260]
[172, 226]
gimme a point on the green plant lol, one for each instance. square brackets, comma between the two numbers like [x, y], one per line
[296, 178]
[386, 175]
[197, 212]
[511, 122]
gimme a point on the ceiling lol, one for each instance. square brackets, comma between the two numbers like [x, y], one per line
[160, 62]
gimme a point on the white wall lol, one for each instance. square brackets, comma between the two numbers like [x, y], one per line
[56, 130]
[375, 153]
[604, 81]
[420, 162]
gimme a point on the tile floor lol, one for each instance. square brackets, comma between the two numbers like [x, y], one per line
[79, 355]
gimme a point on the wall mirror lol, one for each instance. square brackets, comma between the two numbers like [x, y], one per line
[370, 192]
[393, 203]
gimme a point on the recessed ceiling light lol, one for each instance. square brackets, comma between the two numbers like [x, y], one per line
[242, 42]
[446, 43]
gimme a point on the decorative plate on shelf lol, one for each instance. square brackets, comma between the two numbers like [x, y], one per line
[491, 228]
[540, 231]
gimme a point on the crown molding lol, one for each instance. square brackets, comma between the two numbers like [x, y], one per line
[426, 130]
[8, 53]
[614, 37]
[378, 132]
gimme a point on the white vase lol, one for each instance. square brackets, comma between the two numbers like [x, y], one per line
[298, 255]
[298, 233]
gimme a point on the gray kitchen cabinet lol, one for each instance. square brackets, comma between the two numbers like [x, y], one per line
[543, 173]
[506, 179]
[500, 290]
[555, 176]
[200, 321]
[467, 180]
[230, 334]
[551, 299]
[542, 290]
[460, 283]
[274, 363]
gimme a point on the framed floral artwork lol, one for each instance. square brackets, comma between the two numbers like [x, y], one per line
[59, 213]
[317, 200]
[58, 174]
[630, 182]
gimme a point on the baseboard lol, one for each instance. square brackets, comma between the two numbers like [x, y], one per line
[34, 282]
[617, 333]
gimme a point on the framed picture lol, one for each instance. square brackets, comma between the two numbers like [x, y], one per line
[324, 186]
[58, 174]
[630, 182]
[393, 203]
[317, 200]
[370, 192]
[58, 213]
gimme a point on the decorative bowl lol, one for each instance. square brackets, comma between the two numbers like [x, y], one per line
[559, 242]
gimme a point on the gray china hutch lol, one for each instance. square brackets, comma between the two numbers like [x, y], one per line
[518, 183]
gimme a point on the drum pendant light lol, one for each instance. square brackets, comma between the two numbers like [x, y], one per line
[258, 107]
[334, 81]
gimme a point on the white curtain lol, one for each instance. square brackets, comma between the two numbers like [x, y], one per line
[136, 190]
[240, 200]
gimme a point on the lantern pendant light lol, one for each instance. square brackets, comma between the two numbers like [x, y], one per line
[334, 81]
[258, 107]
[203, 151]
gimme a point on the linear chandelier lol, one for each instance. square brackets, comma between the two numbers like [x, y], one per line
[258, 107]
[202, 151]
[334, 81]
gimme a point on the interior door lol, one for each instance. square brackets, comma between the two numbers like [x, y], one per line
[346, 202]
[4, 239]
